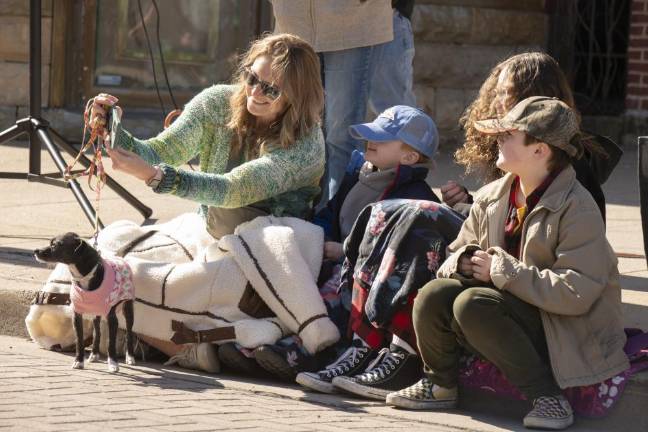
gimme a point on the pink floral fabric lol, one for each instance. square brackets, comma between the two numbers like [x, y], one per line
[117, 285]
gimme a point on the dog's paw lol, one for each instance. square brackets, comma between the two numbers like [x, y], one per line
[113, 366]
[130, 359]
[94, 357]
[77, 364]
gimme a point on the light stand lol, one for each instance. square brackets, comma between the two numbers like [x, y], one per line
[40, 133]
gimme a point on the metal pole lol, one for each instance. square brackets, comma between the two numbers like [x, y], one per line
[643, 189]
[34, 83]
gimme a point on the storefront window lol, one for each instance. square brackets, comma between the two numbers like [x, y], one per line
[200, 40]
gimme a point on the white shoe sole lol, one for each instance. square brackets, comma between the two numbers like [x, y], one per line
[550, 424]
[315, 384]
[403, 402]
[359, 389]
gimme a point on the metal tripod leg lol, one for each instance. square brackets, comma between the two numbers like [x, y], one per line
[110, 182]
[42, 136]
[11, 133]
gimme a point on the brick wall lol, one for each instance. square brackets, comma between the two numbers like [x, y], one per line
[637, 90]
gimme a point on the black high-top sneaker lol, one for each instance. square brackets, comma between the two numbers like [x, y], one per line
[353, 361]
[394, 369]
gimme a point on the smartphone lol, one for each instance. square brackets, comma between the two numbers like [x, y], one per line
[113, 123]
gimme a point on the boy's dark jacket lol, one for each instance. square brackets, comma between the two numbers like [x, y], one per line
[409, 183]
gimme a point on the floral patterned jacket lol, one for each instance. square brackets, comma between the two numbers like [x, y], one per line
[395, 247]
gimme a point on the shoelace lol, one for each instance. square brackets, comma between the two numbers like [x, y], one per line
[383, 364]
[188, 355]
[346, 361]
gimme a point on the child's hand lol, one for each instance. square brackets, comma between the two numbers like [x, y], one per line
[333, 251]
[465, 266]
[481, 263]
[453, 193]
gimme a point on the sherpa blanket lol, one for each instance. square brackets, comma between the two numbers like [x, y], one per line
[218, 285]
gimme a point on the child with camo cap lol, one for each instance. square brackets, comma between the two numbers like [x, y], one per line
[532, 284]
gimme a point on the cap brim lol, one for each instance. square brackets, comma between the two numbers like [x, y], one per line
[494, 126]
[370, 132]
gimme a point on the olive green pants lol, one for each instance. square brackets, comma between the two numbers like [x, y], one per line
[450, 317]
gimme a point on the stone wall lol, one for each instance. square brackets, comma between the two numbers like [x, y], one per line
[14, 51]
[458, 42]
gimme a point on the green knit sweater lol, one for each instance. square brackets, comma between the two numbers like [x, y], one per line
[282, 182]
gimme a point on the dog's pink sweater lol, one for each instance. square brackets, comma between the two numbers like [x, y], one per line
[117, 285]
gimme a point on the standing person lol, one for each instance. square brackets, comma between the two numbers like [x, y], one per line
[260, 144]
[516, 78]
[367, 49]
[532, 284]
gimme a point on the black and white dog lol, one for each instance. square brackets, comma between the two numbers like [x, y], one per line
[98, 287]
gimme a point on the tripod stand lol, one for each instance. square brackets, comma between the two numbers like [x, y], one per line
[40, 133]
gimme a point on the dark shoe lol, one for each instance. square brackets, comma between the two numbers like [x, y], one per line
[550, 412]
[279, 363]
[394, 369]
[353, 361]
[232, 357]
[424, 395]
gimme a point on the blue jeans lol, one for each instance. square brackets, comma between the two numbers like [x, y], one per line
[376, 77]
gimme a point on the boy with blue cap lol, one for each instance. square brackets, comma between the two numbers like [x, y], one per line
[401, 143]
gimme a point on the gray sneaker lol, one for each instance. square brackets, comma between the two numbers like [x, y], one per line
[550, 412]
[201, 356]
[424, 395]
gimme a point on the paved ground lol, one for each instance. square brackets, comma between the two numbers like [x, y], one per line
[39, 392]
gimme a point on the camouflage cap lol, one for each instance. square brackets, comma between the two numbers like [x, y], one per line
[549, 120]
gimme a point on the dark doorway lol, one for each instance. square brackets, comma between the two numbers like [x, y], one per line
[590, 40]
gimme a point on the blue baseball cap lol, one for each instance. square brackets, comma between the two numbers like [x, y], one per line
[401, 123]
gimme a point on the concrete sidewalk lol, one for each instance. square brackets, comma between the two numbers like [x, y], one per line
[40, 391]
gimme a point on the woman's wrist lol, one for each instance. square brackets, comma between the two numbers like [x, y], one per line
[154, 180]
[170, 179]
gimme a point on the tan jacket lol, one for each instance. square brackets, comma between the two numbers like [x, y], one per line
[333, 25]
[568, 270]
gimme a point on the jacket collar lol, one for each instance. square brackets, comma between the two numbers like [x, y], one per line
[553, 198]
[410, 173]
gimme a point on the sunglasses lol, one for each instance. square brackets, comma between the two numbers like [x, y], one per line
[267, 89]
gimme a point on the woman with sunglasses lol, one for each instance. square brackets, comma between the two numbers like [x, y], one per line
[259, 140]
[260, 144]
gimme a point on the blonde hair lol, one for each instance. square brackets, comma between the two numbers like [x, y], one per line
[527, 74]
[422, 159]
[296, 65]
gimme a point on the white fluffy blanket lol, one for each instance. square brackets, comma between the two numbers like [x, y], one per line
[201, 282]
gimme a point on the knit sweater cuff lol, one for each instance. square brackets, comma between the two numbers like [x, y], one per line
[170, 180]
